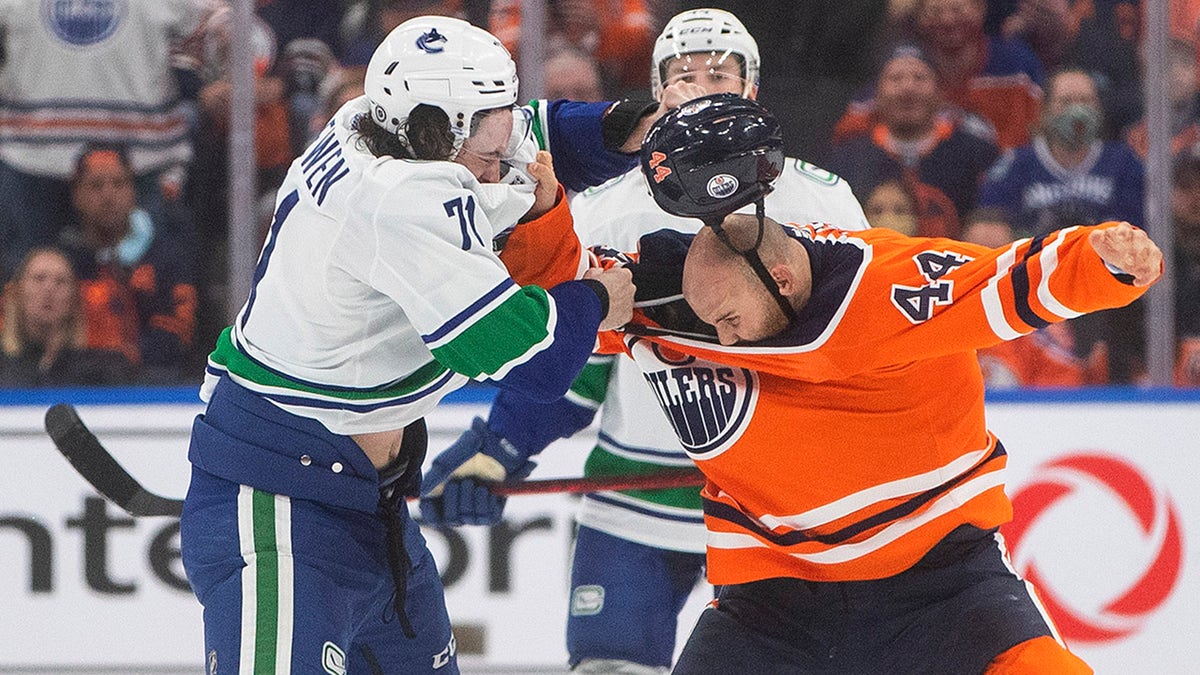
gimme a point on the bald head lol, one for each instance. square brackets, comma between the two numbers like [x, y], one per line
[723, 290]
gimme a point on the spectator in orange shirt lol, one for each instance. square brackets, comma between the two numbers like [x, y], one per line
[136, 280]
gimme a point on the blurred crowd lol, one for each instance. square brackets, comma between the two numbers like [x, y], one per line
[981, 120]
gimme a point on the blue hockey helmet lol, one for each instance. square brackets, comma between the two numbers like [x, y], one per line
[711, 156]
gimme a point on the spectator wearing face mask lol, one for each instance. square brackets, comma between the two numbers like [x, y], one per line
[1069, 176]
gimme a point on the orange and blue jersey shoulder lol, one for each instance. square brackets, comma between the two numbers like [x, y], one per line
[848, 446]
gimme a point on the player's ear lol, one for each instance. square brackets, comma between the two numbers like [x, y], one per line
[785, 278]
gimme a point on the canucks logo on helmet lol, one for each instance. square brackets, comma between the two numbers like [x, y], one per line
[432, 42]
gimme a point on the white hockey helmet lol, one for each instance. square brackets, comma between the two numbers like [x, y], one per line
[705, 30]
[443, 62]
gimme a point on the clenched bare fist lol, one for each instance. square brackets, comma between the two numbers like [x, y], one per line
[1129, 250]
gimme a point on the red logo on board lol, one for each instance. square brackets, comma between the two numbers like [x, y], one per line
[1157, 520]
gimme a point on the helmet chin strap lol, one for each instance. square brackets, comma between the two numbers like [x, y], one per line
[752, 258]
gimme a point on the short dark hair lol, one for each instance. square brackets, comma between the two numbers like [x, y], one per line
[120, 151]
[427, 129]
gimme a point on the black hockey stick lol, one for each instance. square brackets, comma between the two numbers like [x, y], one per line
[81, 447]
[89, 457]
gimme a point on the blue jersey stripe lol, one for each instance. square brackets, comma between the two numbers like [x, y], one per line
[696, 520]
[471, 310]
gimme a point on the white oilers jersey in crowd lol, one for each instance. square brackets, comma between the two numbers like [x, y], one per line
[377, 291]
[634, 431]
[81, 70]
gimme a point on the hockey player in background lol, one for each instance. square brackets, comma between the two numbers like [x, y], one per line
[378, 292]
[638, 554]
[826, 384]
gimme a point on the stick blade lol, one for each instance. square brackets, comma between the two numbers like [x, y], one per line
[85, 452]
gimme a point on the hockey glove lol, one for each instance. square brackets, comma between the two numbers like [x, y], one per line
[455, 488]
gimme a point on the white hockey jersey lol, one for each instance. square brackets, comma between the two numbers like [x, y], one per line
[633, 429]
[377, 291]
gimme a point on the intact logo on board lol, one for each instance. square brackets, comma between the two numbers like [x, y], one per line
[1122, 503]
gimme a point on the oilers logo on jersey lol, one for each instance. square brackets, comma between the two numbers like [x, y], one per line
[708, 404]
[84, 22]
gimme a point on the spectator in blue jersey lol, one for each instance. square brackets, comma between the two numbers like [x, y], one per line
[386, 282]
[1069, 175]
[138, 291]
[912, 136]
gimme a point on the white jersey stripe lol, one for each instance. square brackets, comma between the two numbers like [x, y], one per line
[876, 494]
[1049, 258]
[287, 590]
[943, 505]
[846, 552]
[992, 307]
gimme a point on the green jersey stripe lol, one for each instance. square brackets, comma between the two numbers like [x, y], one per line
[592, 382]
[228, 356]
[540, 124]
[505, 337]
[266, 562]
[603, 463]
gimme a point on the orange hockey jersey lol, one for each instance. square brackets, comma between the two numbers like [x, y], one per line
[848, 446]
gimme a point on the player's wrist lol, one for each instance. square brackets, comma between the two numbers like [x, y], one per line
[601, 291]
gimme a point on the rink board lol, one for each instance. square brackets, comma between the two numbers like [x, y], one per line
[1109, 482]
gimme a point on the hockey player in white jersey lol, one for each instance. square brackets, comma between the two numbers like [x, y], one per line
[638, 554]
[377, 292]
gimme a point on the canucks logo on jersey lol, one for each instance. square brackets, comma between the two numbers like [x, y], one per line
[708, 404]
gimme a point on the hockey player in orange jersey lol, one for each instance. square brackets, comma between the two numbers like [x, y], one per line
[826, 383]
